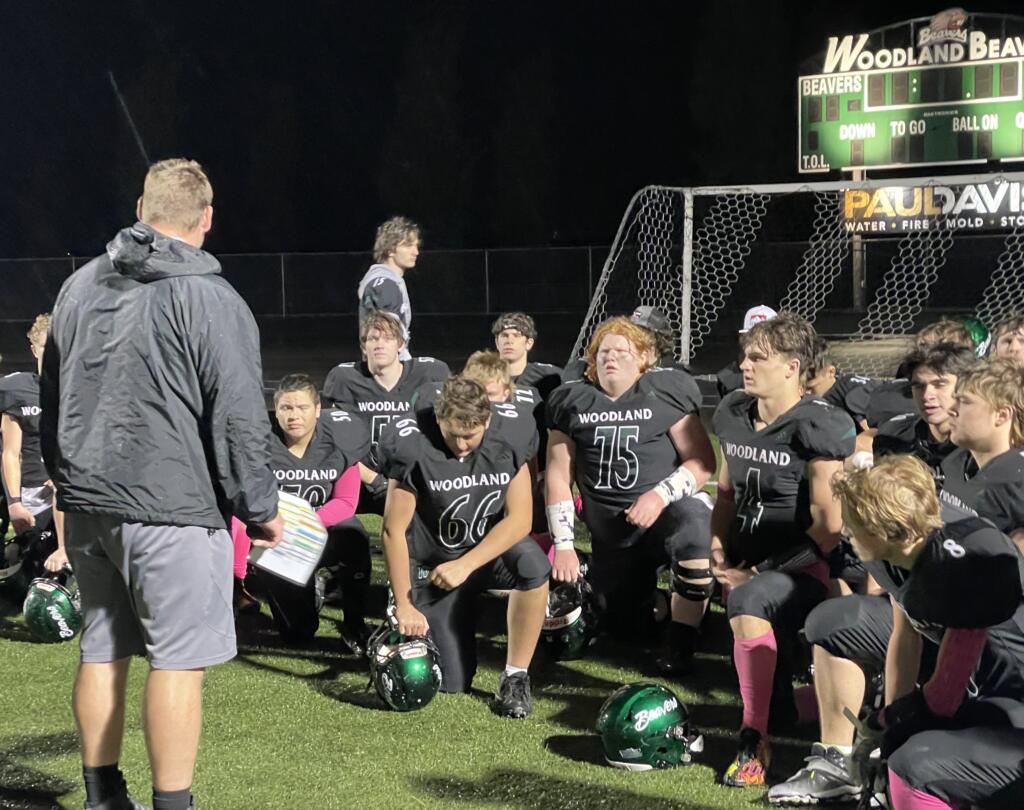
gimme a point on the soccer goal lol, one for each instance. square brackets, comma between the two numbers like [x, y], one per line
[867, 262]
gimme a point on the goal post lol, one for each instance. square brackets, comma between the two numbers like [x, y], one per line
[941, 244]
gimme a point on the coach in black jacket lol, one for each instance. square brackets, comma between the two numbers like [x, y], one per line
[154, 432]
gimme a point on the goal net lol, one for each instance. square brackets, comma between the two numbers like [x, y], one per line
[868, 263]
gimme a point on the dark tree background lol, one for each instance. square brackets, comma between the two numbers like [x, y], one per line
[493, 123]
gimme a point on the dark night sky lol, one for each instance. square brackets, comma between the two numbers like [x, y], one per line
[492, 123]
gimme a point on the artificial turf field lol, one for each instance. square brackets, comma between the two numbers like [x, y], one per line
[296, 728]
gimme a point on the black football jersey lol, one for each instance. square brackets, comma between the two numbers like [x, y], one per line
[768, 470]
[340, 439]
[351, 386]
[458, 501]
[852, 394]
[19, 399]
[909, 434]
[968, 576]
[622, 446]
[995, 492]
[542, 376]
[729, 379]
[888, 399]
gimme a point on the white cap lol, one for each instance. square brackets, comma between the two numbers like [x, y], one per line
[756, 315]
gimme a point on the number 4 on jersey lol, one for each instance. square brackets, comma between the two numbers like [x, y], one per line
[750, 507]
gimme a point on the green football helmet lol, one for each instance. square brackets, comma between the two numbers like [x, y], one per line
[53, 609]
[979, 334]
[644, 726]
[570, 620]
[405, 670]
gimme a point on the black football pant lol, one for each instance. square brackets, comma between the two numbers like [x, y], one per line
[625, 560]
[982, 764]
[294, 607]
[452, 614]
[858, 629]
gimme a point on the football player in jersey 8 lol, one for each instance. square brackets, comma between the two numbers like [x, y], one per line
[456, 523]
[775, 520]
[957, 740]
[985, 474]
[379, 389]
[629, 434]
[313, 454]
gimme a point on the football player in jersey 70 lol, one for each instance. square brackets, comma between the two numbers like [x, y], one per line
[456, 524]
[630, 436]
[379, 389]
[774, 522]
[958, 739]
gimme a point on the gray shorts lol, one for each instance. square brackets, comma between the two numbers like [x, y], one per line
[160, 591]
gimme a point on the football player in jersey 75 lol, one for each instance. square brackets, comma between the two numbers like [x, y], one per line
[379, 389]
[985, 474]
[629, 434]
[457, 523]
[957, 740]
[313, 454]
[774, 522]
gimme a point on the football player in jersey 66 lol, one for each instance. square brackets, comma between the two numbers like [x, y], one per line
[313, 455]
[775, 520]
[457, 523]
[629, 434]
[379, 389]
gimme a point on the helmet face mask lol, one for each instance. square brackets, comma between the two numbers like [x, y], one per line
[405, 671]
[644, 726]
[53, 610]
[570, 620]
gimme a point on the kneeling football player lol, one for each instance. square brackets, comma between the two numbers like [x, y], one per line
[314, 455]
[457, 523]
[630, 436]
[958, 739]
[775, 521]
[1008, 340]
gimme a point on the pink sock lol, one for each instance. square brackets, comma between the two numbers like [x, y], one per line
[577, 503]
[904, 797]
[242, 546]
[755, 665]
[806, 704]
[547, 545]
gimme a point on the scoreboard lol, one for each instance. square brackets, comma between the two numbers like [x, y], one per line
[912, 116]
[953, 98]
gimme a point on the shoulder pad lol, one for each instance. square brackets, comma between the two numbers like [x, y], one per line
[424, 397]
[518, 430]
[733, 406]
[349, 433]
[400, 446]
[564, 403]
[825, 431]
[966, 558]
[675, 387]
[430, 368]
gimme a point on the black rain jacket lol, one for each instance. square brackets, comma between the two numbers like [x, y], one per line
[151, 391]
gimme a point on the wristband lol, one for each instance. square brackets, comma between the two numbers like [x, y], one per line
[862, 460]
[12, 499]
[680, 484]
[560, 523]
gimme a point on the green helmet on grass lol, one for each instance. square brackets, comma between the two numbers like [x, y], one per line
[570, 620]
[405, 670]
[979, 334]
[644, 726]
[53, 610]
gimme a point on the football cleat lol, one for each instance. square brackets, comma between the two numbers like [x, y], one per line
[753, 759]
[824, 778]
[513, 698]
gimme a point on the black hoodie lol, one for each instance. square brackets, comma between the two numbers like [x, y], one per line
[151, 390]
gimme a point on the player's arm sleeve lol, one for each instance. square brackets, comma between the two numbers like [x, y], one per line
[556, 410]
[1003, 504]
[383, 294]
[344, 499]
[858, 399]
[49, 402]
[225, 342]
[959, 655]
[10, 460]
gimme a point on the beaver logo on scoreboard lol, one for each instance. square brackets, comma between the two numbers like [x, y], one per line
[946, 26]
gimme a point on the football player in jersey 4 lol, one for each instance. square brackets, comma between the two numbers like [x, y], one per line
[629, 435]
[38, 526]
[314, 455]
[985, 474]
[457, 523]
[958, 739]
[775, 520]
[379, 389]
[1008, 340]
[514, 336]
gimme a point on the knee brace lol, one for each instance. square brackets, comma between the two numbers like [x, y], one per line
[685, 582]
